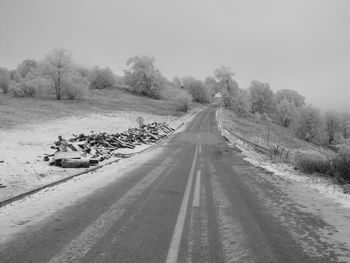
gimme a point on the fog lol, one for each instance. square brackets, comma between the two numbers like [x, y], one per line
[300, 45]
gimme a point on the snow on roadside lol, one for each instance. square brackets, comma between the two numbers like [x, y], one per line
[323, 185]
[325, 200]
[22, 149]
[20, 215]
[320, 184]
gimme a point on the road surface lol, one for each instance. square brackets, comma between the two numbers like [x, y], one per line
[197, 201]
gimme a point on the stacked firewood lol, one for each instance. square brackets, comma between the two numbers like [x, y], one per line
[85, 150]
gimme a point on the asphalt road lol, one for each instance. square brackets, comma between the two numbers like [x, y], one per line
[198, 201]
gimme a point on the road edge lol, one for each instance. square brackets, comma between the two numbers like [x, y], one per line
[38, 189]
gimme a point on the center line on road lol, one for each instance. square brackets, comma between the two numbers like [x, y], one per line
[197, 190]
[180, 222]
[200, 149]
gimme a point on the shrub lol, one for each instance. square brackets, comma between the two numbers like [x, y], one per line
[101, 78]
[342, 162]
[16, 91]
[29, 89]
[32, 86]
[75, 87]
[311, 161]
[181, 96]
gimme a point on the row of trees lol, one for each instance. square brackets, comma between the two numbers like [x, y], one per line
[56, 74]
[285, 107]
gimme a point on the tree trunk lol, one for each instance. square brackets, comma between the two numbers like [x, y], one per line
[330, 138]
[58, 91]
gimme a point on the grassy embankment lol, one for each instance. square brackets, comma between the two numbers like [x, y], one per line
[305, 156]
[256, 130]
[19, 111]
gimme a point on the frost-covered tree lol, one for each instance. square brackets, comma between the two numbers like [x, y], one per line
[101, 78]
[241, 103]
[15, 75]
[212, 85]
[177, 82]
[345, 125]
[285, 112]
[27, 66]
[62, 75]
[227, 85]
[56, 66]
[332, 125]
[144, 77]
[291, 96]
[197, 89]
[5, 79]
[261, 97]
[308, 123]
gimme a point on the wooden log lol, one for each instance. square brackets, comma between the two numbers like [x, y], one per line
[66, 155]
[75, 163]
[93, 161]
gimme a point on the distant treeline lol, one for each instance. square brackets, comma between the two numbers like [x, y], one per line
[57, 76]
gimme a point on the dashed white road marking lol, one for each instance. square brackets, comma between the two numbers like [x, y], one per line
[197, 190]
[173, 251]
[79, 246]
[200, 149]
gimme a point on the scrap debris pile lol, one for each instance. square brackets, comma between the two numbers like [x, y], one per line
[85, 150]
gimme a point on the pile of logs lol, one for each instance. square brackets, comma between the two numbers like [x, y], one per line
[85, 150]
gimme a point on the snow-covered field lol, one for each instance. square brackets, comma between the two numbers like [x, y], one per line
[22, 149]
[20, 215]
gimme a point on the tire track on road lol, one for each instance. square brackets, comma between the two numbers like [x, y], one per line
[78, 247]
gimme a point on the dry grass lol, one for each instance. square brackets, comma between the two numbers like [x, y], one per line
[18, 111]
[255, 130]
[307, 157]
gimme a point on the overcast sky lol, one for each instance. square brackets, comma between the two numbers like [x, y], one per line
[300, 44]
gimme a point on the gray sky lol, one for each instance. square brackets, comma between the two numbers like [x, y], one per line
[300, 44]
